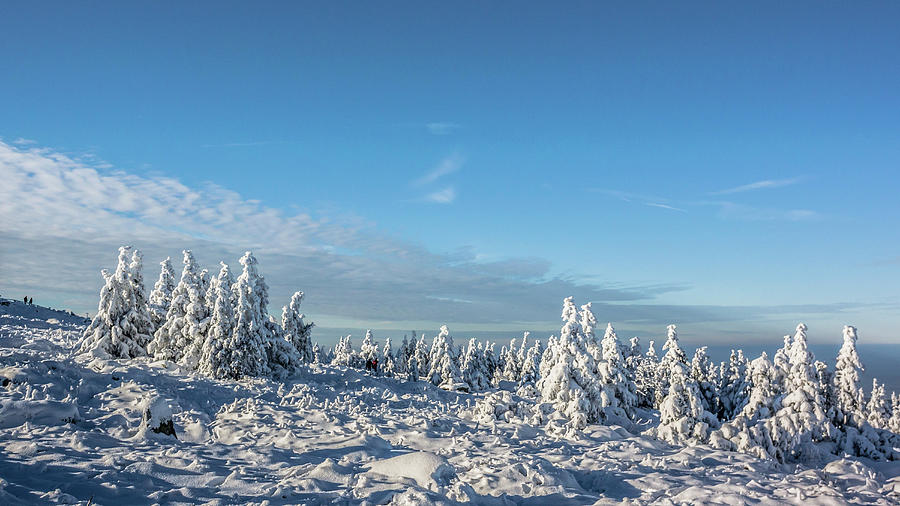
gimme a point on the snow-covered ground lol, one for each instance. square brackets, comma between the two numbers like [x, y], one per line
[71, 431]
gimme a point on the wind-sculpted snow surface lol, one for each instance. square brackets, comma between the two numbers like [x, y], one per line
[73, 429]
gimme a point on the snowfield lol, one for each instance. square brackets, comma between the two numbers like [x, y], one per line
[74, 428]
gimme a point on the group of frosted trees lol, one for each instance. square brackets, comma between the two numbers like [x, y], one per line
[787, 408]
[474, 367]
[217, 325]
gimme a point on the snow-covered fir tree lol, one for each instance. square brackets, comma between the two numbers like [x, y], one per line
[344, 353]
[474, 368]
[248, 341]
[531, 364]
[161, 296]
[734, 388]
[846, 380]
[368, 350]
[215, 357]
[634, 355]
[782, 366]
[674, 355]
[444, 371]
[703, 373]
[389, 364]
[401, 358]
[894, 422]
[165, 343]
[571, 385]
[119, 329]
[877, 412]
[647, 387]
[617, 392]
[316, 354]
[802, 419]
[296, 329]
[140, 316]
[511, 365]
[682, 418]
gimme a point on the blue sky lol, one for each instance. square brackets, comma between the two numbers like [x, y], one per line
[730, 168]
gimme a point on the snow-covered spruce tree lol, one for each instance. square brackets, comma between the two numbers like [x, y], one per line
[531, 364]
[782, 366]
[316, 354]
[633, 356]
[161, 296]
[401, 358]
[119, 329]
[802, 419]
[825, 379]
[248, 341]
[674, 355]
[343, 352]
[215, 357]
[368, 350]
[703, 373]
[474, 368]
[490, 360]
[617, 391]
[894, 422]
[846, 381]
[164, 345]
[444, 371]
[389, 362]
[511, 366]
[646, 379]
[295, 329]
[747, 432]
[877, 411]
[734, 388]
[571, 385]
[140, 313]
[682, 419]
[196, 323]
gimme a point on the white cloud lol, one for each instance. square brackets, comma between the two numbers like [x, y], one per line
[759, 185]
[441, 128]
[445, 196]
[665, 206]
[446, 166]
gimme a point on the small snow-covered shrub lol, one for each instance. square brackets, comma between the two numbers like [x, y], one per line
[156, 416]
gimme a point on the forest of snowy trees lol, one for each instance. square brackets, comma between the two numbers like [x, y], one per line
[787, 408]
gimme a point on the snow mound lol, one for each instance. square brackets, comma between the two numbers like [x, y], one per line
[428, 470]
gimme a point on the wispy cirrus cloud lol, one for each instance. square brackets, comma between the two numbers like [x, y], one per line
[442, 127]
[448, 165]
[759, 185]
[243, 144]
[647, 200]
[444, 196]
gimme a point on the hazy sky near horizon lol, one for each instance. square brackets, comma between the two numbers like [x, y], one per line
[730, 168]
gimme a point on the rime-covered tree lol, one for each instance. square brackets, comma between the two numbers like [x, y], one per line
[389, 367]
[531, 364]
[846, 380]
[802, 419]
[140, 311]
[674, 355]
[703, 373]
[161, 296]
[649, 393]
[316, 354]
[782, 366]
[617, 392]
[418, 362]
[877, 411]
[633, 356]
[682, 418]
[296, 330]
[474, 369]
[444, 371]
[368, 350]
[343, 352]
[734, 388]
[402, 356]
[215, 356]
[894, 422]
[118, 330]
[571, 384]
[249, 339]
[511, 366]
[165, 343]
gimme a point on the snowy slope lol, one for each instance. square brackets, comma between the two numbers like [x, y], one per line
[71, 430]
